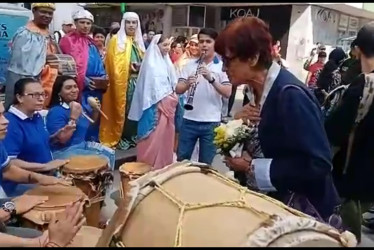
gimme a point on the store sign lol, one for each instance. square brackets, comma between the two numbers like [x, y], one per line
[232, 13]
[8, 26]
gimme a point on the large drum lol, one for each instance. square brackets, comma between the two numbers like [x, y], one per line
[91, 174]
[131, 171]
[194, 206]
[86, 237]
[59, 197]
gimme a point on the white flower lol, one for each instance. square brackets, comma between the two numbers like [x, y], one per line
[232, 127]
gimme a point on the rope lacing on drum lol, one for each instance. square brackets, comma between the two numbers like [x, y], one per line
[99, 181]
[241, 202]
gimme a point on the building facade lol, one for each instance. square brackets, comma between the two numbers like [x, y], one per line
[298, 26]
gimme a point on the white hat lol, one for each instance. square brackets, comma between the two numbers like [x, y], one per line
[67, 22]
[83, 14]
[194, 38]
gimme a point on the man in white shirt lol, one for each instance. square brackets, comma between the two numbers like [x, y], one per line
[212, 85]
[67, 26]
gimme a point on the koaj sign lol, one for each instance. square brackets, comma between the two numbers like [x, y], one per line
[232, 13]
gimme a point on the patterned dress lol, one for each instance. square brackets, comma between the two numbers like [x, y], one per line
[128, 138]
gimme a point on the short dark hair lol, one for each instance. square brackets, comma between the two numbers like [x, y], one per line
[57, 86]
[98, 30]
[212, 33]
[245, 38]
[20, 85]
[365, 39]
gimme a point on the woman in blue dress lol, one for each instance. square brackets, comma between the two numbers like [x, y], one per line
[68, 124]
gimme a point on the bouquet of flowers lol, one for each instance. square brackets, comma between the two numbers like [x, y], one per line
[229, 138]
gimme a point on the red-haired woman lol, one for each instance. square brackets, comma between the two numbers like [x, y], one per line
[290, 157]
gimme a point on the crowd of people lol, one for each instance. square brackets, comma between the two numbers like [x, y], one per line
[130, 88]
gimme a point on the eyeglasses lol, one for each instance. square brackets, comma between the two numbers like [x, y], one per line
[36, 95]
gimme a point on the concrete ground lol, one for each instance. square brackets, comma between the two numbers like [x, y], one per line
[109, 209]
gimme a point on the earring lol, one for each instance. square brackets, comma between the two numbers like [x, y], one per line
[60, 99]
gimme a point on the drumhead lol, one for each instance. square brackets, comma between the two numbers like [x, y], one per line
[86, 237]
[85, 163]
[196, 206]
[58, 195]
[134, 168]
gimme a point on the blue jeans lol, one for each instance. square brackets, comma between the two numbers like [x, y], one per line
[192, 131]
[87, 148]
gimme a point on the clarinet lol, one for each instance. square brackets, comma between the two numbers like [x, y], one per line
[191, 93]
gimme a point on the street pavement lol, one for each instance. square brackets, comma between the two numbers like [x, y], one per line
[109, 209]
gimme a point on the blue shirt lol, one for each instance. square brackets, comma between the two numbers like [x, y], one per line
[27, 139]
[58, 117]
[4, 161]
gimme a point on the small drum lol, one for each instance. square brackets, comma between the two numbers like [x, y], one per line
[91, 174]
[194, 206]
[131, 171]
[59, 197]
[100, 83]
[86, 237]
[65, 64]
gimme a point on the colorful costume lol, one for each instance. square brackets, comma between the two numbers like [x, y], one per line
[29, 50]
[124, 55]
[89, 64]
[153, 106]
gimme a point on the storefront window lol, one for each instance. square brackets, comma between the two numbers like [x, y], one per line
[197, 16]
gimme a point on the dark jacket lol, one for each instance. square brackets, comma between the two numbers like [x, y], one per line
[291, 133]
[350, 69]
[357, 183]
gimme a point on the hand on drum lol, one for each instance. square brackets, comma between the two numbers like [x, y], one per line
[46, 180]
[40, 241]
[239, 164]
[63, 230]
[55, 164]
[24, 203]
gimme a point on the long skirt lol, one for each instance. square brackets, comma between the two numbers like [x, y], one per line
[157, 149]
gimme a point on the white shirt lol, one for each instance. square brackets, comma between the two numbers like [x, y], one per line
[207, 101]
[57, 38]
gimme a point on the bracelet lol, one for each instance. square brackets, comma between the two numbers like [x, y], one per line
[51, 244]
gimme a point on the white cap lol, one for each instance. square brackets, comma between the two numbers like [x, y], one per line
[67, 22]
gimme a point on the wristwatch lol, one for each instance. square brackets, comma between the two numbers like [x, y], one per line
[9, 207]
[212, 81]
